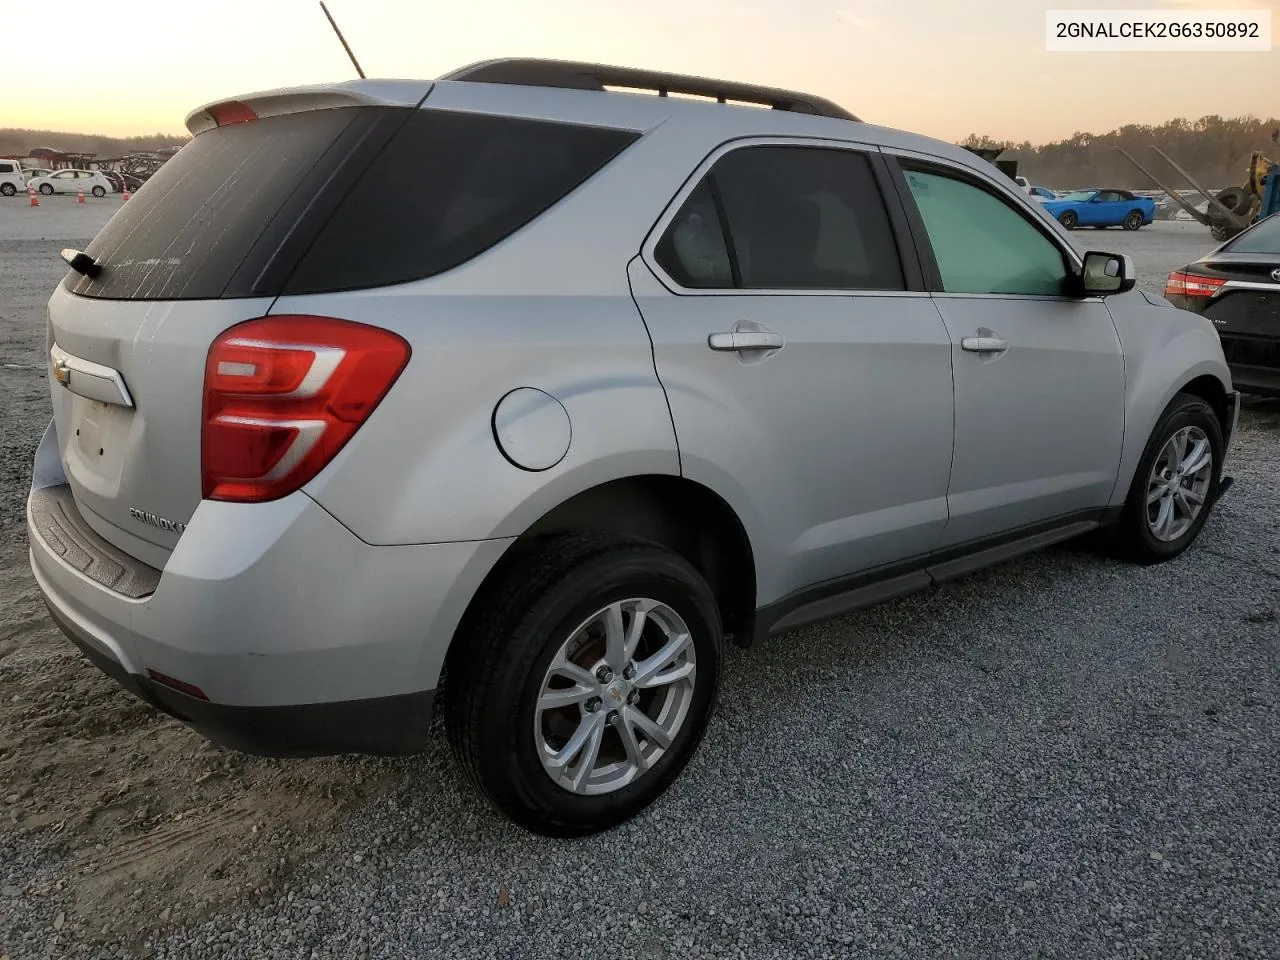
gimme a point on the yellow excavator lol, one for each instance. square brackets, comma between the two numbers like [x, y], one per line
[1235, 208]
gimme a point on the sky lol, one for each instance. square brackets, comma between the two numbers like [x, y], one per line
[944, 68]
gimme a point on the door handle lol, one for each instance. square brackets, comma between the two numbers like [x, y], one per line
[984, 344]
[745, 340]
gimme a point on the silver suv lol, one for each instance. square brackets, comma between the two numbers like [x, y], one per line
[524, 395]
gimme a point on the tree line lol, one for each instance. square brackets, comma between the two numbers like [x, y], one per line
[1215, 150]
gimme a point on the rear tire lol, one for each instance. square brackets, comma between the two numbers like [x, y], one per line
[1133, 221]
[1138, 536]
[8, 189]
[541, 625]
[1068, 219]
[99, 192]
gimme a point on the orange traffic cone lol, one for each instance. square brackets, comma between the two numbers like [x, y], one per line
[80, 195]
[125, 194]
[34, 197]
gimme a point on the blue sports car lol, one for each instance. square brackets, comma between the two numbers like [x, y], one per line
[1101, 208]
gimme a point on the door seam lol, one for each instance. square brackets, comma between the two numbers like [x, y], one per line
[653, 359]
[951, 367]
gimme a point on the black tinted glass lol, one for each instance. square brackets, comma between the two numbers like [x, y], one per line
[336, 199]
[184, 234]
[693, 249]
[1263, 238]
[448, 187]
[807, 218]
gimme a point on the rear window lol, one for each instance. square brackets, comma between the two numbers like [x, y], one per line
[337, 199]
[7, 167]
[190, 228]
[1263, 238]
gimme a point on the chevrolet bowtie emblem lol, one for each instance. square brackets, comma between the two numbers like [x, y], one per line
[62, 373]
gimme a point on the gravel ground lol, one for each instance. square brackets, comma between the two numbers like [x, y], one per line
[1061, 757]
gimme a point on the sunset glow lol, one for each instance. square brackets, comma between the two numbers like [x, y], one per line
[941, 68]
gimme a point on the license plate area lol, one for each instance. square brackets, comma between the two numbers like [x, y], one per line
[98, 446]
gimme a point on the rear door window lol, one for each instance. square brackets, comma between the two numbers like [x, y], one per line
[786, 218]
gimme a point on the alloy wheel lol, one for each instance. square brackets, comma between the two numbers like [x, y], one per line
[615, 696]
[1179, 483]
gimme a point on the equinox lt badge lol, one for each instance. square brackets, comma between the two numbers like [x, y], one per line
[155, 520]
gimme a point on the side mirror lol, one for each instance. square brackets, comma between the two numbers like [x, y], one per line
[1106, 273]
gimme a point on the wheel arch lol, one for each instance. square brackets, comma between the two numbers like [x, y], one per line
[1212, 391]
[1204, 380]
[680, 514]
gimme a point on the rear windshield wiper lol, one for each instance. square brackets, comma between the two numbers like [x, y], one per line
[81, 262]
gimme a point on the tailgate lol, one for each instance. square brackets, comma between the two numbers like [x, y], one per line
[127, 397]
[206, 243]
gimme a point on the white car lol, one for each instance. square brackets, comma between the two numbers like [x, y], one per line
[10, 178]
[72, 181]
[1038, 194]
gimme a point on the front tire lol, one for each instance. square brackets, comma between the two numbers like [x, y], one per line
[1068, 219]
[580, 686]
[1133, 221]
[46, 189]
[99, 192]
[1175, 485]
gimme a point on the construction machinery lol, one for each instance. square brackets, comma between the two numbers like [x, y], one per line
[1231, 210]
[1008, 167]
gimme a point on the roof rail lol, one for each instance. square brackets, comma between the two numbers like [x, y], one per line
[595, 76]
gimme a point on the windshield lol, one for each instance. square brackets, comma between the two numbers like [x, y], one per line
[1078, 195]
[1263, 238]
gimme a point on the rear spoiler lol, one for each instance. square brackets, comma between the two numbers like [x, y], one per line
[274, 103]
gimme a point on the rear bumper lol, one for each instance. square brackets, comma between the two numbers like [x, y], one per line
[1261, 381]
[384, 725]
[299, 637]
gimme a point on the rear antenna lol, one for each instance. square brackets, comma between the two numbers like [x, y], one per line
[342, 39]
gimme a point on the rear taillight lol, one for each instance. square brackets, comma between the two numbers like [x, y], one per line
[1182, 284]
[281, 397]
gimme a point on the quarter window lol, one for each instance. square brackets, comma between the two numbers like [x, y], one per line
[981, 244]
[693, 249]
[796, 218]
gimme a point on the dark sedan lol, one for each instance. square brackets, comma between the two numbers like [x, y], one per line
[1237, 286]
